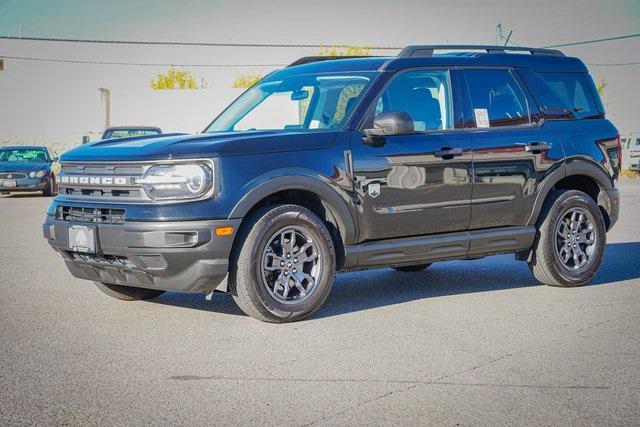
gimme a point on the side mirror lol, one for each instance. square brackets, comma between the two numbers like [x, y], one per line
[85, 139]
[299, 95]
[387, 124]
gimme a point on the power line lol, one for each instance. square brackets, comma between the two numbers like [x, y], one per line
[269, 45]
[183, 43]
[619, 64]
[260, 45]
[628, 36]
[140, 64]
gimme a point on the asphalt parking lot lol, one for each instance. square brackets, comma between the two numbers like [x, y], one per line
[466, 342]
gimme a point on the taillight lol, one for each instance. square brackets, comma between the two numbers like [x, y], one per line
[612, 149]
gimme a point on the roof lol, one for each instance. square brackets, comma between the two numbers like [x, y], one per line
[540, 60]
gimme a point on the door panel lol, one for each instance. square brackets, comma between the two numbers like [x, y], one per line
[508, 168]
[405, 189]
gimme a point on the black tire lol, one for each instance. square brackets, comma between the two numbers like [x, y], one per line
[128, 293]
[546, 264]
[412, 268]
[50, 189]
[246, 281]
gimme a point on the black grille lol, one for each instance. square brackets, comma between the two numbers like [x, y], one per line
[12, 175]
[111, 260]
[98, 215]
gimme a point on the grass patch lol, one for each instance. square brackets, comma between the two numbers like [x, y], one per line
[626, 173]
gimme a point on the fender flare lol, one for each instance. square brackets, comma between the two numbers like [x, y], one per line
[336, 203]
[573, 167]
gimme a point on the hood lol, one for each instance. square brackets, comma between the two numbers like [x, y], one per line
[22, 167]
[176, 146]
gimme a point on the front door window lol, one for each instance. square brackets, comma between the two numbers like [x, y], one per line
[425, 95]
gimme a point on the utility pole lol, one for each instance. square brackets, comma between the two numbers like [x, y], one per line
[501, 40]
[105, 101]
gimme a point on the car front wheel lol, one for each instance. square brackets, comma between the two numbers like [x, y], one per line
[283, 266]
[50, 189]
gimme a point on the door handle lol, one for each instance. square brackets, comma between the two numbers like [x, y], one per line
[537, 147]
[448, 153]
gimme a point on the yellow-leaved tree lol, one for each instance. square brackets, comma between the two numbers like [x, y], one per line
[346, 50]
[174, 79]
[245, 81]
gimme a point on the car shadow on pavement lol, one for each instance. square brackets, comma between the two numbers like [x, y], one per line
[363, 290]
[621, 262]
[23, 195]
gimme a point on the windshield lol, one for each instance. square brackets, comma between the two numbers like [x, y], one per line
[309, 102]
[24, 155]
[128, 133]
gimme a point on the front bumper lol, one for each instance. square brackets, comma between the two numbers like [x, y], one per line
[182, 256]
[23, 184]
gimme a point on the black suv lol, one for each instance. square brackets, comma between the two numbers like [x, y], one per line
[443, 152]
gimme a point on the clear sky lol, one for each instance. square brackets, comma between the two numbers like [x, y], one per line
[60, 101]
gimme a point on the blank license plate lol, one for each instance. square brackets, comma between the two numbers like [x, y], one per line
[82, 239]
[7, 183]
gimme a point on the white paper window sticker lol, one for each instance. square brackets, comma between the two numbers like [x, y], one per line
[482, 117]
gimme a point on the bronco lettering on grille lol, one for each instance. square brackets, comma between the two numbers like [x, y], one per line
[92, 180]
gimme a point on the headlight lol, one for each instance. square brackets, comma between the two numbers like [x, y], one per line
[38, 174]
[175, 182]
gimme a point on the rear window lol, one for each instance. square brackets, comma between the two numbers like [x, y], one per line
[564, 95]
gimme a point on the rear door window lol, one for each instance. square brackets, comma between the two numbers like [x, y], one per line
[497, 99]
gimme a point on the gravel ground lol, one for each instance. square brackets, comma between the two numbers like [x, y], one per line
[466, 342]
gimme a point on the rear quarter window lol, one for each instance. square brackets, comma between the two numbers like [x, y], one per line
[564, 95]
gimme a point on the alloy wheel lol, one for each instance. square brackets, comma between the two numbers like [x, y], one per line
[576, 239]
[291, 265]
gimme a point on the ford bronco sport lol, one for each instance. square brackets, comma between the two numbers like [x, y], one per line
[443, 152]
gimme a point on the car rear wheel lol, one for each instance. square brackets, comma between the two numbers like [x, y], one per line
[283, 266]
[128, 293]
[412, 268]
[571, 240]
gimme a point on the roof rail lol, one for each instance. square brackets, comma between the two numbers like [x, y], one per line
[427, 50]
[310, 59]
